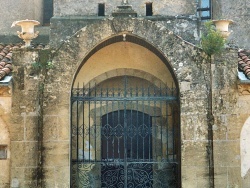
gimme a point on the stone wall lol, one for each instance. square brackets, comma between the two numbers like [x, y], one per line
[5, 108]
[238, 11]
[37, 108]
[62, 28]
[26, 121]
[160, 7]
[44, 109]
[21, 10]
[226, 129]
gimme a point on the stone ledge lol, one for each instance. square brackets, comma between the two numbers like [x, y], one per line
[243, 87]
[5, 91]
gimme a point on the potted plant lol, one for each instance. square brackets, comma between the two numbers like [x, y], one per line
[212, 41]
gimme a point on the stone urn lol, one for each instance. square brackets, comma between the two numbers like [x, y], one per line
[222, 27]
[27, 33]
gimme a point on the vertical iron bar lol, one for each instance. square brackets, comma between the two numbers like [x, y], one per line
[125, 131]
[113, 121]
[167, 130]
[137, 126]
[89, 121]
[149, 125]
[95, 137]
[71, 139]
[77, 125]
[143, 124]
[162, 113]
[155, 125]
[107, 139]
[101, 133]
[118, 123]
[83, 128]
[131, 125]
[173, 131]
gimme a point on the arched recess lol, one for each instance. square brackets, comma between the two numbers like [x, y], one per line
[245, 148]
[128, 83]
[4, 154]
[133, 52]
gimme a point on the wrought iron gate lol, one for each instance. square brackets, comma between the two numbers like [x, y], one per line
[124, 136]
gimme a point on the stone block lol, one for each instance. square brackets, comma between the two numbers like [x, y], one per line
[49, 177]
[18, 173]
[31, 183]
[189, 176]
[194, 153]
[25, 152]
[64, 128]
[4, 173]
[190, 103]
[185, 86]
[31, 128]
[234, 125]
[219, 128]
[50, 128]
[220, 176]
[56, 153]
[194, 127]
[62, 176]
[16, 128]
[195, 176]
[202, 182]
[30, 173]
[227, 153]
[234, 177]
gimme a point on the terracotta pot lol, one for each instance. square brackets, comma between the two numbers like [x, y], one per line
[27, 33]
[222, 26]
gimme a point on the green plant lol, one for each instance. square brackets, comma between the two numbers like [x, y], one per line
[38, 65]
[49, 65]
[212, 42]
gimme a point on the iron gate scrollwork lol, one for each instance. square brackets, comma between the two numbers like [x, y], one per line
[124, 136]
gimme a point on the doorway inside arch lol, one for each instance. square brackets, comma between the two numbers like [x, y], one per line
[126, 146]
[124, 133]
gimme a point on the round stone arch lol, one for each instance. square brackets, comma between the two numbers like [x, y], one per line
[176, 54]
[130, 52]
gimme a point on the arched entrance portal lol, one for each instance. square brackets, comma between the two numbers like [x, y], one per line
[125, 120]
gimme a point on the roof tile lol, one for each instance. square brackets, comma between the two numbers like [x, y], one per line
[6, 57]
[5, 60]
[244, 62]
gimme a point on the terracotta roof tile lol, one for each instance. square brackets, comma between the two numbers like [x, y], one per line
[5, 60]
[6, 57]
[244, 62]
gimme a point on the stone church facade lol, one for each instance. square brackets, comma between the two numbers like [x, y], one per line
[121, 95]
